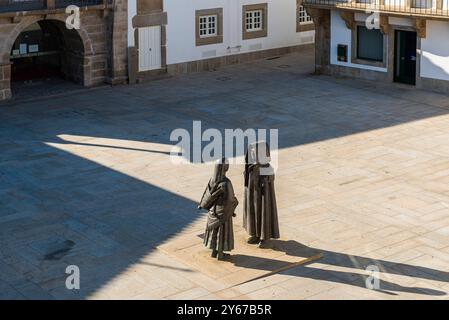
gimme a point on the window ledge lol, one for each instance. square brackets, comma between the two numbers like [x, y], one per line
[379, 64]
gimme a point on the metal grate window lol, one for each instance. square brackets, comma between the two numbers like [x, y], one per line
[303, 17]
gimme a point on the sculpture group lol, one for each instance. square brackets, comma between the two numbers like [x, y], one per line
[260, 218]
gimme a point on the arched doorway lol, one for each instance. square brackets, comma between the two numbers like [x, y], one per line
[45, 54]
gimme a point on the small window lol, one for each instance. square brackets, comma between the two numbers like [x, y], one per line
[370, 44]
[208, 26]
[254, 20]
[303, 16]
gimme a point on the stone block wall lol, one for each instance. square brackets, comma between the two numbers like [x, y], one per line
[321, 19]
[94, 54]
[118, 43]
[5, 79]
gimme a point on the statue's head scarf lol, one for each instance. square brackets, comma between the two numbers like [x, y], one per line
[207, 200]
[258, 153]
[221, 167]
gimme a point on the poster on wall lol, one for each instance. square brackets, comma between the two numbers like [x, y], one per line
[33, 48]
[23, 48]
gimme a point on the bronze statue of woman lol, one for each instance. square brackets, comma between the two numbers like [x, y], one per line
[260, 217]
[219, 199]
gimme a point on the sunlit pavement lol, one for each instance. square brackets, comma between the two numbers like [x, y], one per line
[86, 180]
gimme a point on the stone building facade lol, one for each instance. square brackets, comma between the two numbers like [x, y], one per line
[95, 53]
[393, 41]
[122, 41]
[179, 36]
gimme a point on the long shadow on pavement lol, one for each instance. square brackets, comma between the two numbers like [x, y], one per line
[294, 248]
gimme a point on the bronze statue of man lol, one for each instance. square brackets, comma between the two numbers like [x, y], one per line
[260, 217]
[219, 199]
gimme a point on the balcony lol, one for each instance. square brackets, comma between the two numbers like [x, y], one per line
[21, 5]
[419, 8]
[8, 6]
[79, 3]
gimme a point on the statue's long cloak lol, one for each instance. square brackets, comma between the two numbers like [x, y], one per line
[220, 200]
[260, 216]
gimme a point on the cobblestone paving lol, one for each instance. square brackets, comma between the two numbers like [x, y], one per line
[86, 180]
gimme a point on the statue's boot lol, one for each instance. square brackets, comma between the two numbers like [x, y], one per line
[253, 240]
[263, 244]
[214, 253]
[223, 256]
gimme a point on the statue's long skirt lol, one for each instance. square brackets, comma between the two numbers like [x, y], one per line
[221, 238]
[260, 217]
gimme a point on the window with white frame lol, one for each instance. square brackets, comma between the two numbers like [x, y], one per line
[303, 16]
[254, 20]
[208, 26]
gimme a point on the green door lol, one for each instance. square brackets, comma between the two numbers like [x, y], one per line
[405, 57]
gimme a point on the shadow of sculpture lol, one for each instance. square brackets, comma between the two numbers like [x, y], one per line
[294, 248]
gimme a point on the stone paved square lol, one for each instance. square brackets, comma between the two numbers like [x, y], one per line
[86, 180]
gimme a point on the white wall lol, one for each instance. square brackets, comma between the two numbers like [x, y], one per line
[340, 34]
[435, 51]
[181, 29]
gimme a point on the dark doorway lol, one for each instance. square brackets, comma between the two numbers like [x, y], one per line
[36, 53]
[405, 57]
[43, 57]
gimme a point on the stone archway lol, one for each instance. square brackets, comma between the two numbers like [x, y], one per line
[75, 52]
